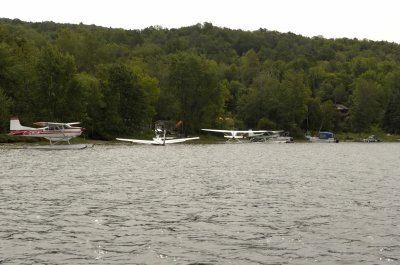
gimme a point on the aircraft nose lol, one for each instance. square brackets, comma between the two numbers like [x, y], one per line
[83, 129]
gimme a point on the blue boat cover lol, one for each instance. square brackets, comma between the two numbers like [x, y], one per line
[325, 135]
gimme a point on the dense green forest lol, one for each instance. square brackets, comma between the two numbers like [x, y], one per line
[118, 82]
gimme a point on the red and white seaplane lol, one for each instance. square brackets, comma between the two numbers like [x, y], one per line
[52, 131]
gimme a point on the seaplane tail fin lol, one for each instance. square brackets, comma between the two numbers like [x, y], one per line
[15, 125]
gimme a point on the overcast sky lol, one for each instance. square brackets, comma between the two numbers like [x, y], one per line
[362, 19]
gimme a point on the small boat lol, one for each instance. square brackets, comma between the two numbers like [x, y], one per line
[369, 139]
[323, 137]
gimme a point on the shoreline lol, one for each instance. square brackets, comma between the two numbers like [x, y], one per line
[207, 139]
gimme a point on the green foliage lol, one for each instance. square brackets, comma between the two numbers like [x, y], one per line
[236, 91]
[392, 114]
[7, 60]
[249, 66]
[294, 97]
[87, 101]
[360, 121]
[194, 82]
[280, 104]
[129, 96]
[55, 71]
[391, 120]
[118, 82]
[5, 104]
[262, 101]
[266, 124]
[368, 103]
[330, 116]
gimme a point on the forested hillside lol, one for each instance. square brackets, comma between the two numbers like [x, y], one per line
[118, 82]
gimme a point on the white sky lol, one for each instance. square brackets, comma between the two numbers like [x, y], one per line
[362, 19]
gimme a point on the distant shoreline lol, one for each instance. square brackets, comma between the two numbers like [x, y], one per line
[10, 140]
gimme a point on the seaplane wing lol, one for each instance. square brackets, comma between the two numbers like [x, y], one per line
[180, 140]
[136, 141]
[234, 131]
[158, 141]
[275, 132]
[45, 123]
[74, 123]
[236, 134]
[55, 124]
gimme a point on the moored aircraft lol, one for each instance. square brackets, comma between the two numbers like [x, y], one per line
[52, 131]
[237, 135]
[159, 139]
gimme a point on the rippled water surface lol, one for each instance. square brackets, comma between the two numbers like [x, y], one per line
[202, 204]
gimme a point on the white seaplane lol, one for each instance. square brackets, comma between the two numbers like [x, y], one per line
[160, 139]
[237, 135]
[53, 131]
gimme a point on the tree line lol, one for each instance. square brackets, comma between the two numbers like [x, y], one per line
[118, 82]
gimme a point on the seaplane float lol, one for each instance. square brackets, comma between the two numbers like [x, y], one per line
[159, 139]
[266, 136]
[55, 132]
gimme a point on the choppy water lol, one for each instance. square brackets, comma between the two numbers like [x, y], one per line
[202, 204]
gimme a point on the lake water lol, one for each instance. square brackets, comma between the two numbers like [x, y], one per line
[296, 203]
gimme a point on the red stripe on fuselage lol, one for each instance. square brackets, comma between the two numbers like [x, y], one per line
[45, 132]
